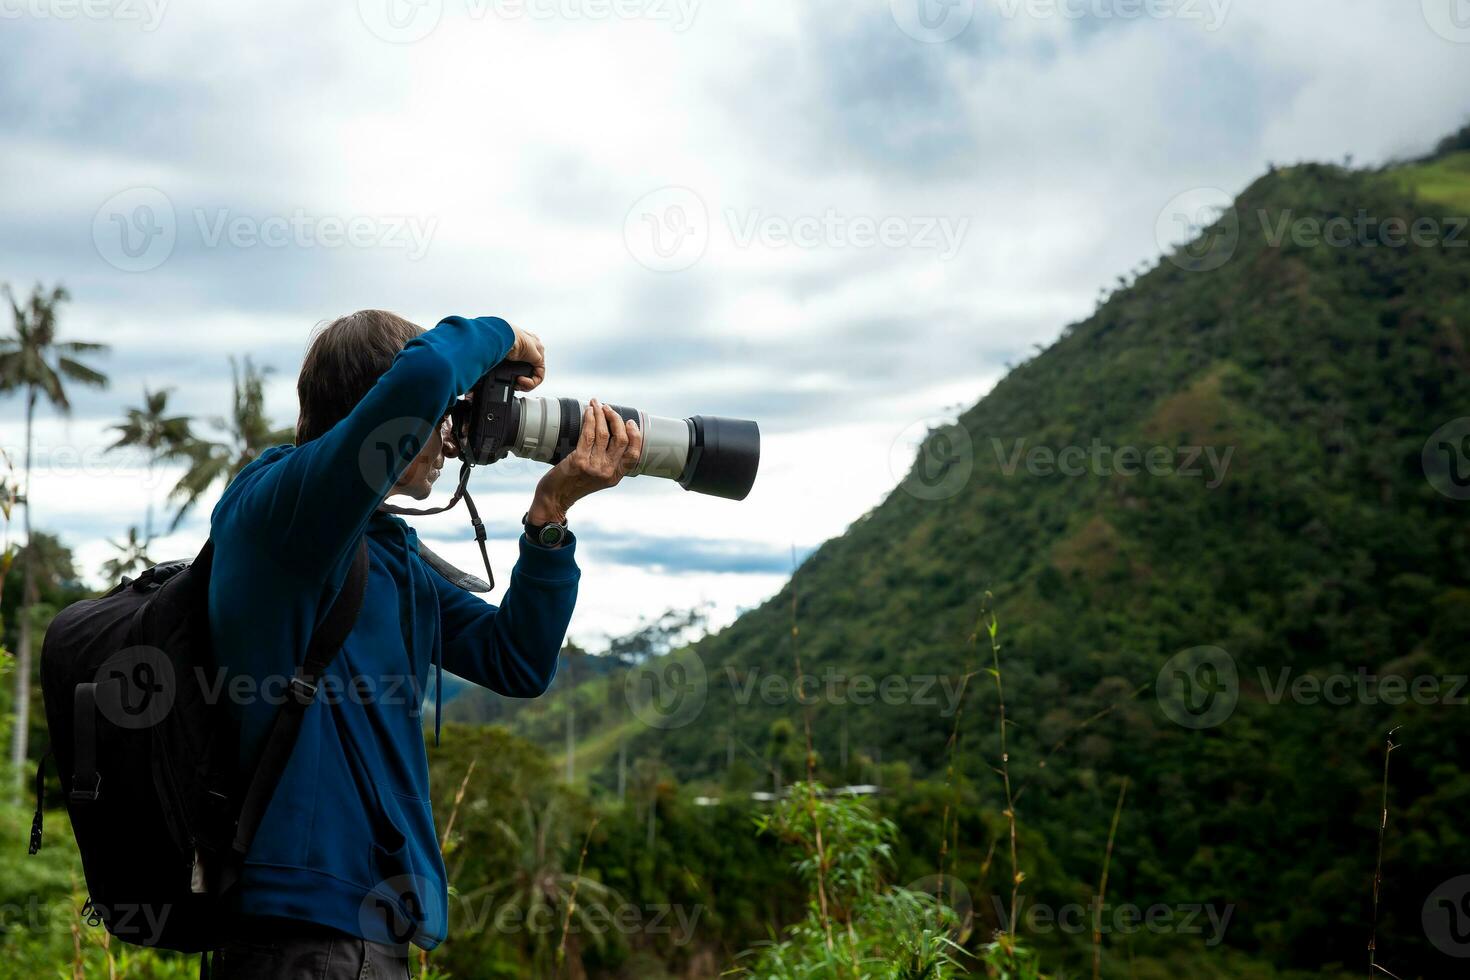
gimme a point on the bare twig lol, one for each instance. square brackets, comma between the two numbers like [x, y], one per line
[1077, 729]
[811, 765]
[945, 831]
[444, 840]
[1378, 868]
[1102, 886]
[992, 626]
[566, 922]
[458, 799]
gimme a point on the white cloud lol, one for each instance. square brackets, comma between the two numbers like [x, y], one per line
[527, 140]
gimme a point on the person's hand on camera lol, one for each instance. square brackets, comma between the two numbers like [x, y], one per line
[607, 450]
[528, 348]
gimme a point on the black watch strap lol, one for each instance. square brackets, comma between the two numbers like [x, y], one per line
[548, 535]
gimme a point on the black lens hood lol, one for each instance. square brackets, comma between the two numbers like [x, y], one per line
[723, 458]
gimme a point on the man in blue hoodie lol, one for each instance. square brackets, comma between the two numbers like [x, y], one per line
[345, 867]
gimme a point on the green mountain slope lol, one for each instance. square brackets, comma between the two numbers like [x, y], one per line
[1286, 386]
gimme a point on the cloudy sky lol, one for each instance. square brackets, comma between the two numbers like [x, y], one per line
[840, 219]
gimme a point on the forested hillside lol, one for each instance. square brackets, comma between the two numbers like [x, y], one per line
[1234, 452]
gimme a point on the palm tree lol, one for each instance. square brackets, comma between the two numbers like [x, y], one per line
[158, 434]
[247, 431]
[34, 361]
[132, 556]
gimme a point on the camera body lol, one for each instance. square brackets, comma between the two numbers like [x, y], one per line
[484, 421]
[706, 454]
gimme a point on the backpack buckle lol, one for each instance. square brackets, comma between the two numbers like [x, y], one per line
[79, 795]
[302, 690]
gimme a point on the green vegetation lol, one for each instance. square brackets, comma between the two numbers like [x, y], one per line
[1315, 374]
[1444, 181]
[36, 364]
[1279, 394]
[856, 926]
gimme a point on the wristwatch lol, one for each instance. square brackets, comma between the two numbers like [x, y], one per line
[548, 535]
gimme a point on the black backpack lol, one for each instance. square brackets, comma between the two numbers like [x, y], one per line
[147, 750]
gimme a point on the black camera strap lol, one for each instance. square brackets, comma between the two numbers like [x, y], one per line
[461, 490]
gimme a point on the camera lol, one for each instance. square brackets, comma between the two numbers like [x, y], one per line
[705, 453]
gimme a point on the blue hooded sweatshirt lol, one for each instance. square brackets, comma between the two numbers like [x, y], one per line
[348, 841]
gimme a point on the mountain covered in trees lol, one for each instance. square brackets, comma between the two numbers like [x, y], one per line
[1224, 531]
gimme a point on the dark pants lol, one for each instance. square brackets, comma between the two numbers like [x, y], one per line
[266, 949]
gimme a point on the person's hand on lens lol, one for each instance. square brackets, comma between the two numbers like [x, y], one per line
[528, 348]
[607, 450]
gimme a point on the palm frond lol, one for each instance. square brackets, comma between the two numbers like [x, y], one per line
[82, 347]
[33, 359]
[77, 371]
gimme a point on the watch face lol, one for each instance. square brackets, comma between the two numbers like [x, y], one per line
[552, 534]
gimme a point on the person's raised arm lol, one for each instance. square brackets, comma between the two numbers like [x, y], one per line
[313, 504]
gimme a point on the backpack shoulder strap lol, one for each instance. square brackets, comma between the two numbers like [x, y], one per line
[326, 640]
[332, 631]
